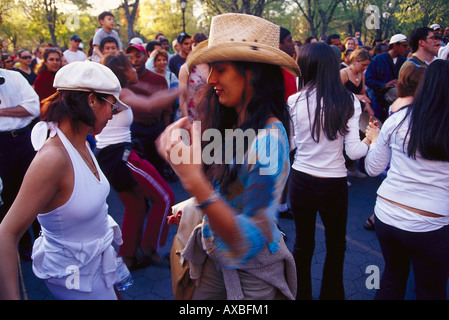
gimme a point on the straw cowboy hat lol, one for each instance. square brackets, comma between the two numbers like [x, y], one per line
[242, 37]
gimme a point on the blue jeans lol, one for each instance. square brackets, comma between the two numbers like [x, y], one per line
[328, 196]
[426, 252]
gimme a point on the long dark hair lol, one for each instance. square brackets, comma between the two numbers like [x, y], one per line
[320, 71]
[429, 115]
[41, 67]
[268, 100]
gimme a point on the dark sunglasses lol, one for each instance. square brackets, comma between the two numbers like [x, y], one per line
[114, 108]
[25, 57]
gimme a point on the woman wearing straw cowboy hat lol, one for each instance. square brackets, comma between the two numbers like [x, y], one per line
[65, 188]
[237, 252]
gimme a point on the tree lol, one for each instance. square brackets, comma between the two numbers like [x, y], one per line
[354, 12]
[254, 7]
[131, 15]
[164, 16]
[422, 13]
[51, 15]
[47, 11]
[318, 13]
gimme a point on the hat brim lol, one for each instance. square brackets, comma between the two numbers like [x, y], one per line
[121, 106]
[241, 51]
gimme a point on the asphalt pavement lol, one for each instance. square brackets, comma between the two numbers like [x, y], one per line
[363, 259]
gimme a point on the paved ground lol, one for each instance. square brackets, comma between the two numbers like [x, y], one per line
[154, 283]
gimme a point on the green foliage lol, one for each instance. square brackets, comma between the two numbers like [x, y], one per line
[25, 23]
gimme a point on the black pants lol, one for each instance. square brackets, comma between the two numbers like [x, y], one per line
[328, 196]
[146, 136]
[426, 252]
[16, 154]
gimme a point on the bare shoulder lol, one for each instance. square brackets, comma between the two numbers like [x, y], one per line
[52, 159]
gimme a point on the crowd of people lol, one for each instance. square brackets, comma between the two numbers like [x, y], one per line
[75, 123]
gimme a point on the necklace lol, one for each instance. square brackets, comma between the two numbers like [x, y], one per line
[90, 162]
[356, 74]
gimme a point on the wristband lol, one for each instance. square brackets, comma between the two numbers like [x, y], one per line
[212, 198]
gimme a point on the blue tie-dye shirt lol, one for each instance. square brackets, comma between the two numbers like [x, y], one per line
[255, 196]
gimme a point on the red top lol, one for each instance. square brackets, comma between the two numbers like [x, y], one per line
[43, 85]
[149, 83]
[290, 84]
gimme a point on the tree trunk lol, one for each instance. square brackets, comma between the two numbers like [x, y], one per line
[51, 13]
[130, 16]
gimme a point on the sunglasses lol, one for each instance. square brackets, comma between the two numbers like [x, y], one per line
[25, 57]
[114, 107]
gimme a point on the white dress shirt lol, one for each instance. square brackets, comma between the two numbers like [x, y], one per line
[16, 91]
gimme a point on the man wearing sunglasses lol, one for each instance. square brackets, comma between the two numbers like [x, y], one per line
[25, 66]
[424, 45]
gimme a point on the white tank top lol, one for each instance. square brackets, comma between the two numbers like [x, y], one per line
[79, 233]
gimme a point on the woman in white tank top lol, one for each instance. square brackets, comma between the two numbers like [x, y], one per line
[66, 190]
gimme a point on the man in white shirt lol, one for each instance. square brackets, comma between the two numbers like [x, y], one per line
[19, 106]
[74, 53]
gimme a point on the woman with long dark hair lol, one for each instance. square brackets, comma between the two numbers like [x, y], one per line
[237, 252]
[412, 207]
[325, 118]
[46, 72]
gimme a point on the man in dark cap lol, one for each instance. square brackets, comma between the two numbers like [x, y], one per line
[185, 43]
[73, 53]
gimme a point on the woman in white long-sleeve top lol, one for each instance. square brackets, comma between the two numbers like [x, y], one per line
[412, 207]
[325, 117]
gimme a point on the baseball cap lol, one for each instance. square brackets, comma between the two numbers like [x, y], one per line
[136, 40]
[182, 36]
[75, 37]
[398, 38]
[91, 77]
[435, 26]
[135, 46]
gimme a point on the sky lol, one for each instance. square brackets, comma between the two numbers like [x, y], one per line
[104, 5]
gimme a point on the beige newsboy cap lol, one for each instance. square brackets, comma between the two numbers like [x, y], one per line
[89, 76]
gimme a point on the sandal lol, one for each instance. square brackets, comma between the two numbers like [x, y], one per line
[369, 225]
